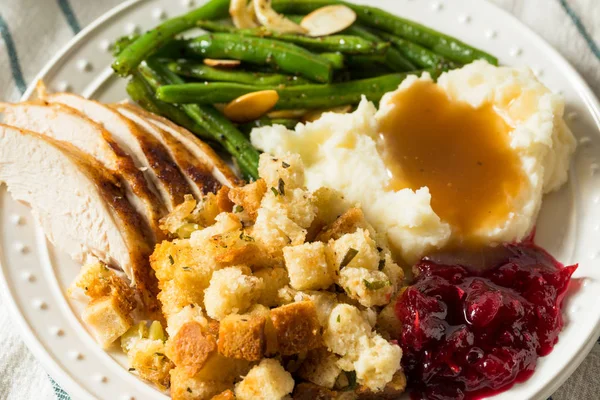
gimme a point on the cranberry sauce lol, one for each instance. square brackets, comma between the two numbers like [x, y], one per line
[468, 333]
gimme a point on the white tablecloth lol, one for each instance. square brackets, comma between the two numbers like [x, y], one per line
[34, 30]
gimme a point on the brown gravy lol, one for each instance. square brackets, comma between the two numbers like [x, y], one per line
[460, 153]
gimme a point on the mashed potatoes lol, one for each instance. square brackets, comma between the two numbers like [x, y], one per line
[344, 152]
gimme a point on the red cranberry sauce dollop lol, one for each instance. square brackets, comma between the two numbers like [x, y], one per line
[468, 333]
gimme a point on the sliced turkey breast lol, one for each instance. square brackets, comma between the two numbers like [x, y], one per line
[203, 153]
[199, 178]
[69, 125]
[147, 152]
[79, 204]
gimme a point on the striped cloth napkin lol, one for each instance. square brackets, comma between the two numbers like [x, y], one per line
[34, 30]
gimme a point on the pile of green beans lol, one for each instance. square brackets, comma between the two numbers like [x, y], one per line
[292, 97]
[373, 56]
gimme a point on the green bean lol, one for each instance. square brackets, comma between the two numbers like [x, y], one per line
[346, 44]
[206, 116]
[364, 60]
[206, 93]
[447, 46]
[393, 58]
[336, 60]
[286, 56]
[198, 70]
[295, 97]
[338, 94]
[156, 38]
[141, 93]
[288, 123]
[122, 43]
[418, 55]
[362, 71]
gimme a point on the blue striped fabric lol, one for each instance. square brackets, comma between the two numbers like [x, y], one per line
[61, 394]
[67, 10]
[581, 28]
[15, 66]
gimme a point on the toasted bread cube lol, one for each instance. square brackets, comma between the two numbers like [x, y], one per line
[213, 327]
[310, 391]
[235, 247]
[393, 271]
[369, 288]
[392, 391]
[271, 345]
[106, 320]
[297, 327]
[288, 168]
[187, 314]
[345, 329]
[370, 315]
[274, 230]
[377, 363]
[308, 266]
[286, 295]
[169, 297]
[179, 216]
[148, 359]
[320, 367]
[162, 259]
[300, 207]
[294, 203]
[324, 303]
[274, 279]
[224, 222]
[231, 291]
[349, 222]
[356, 250]
[191, 347]
[186, 387]
[207, 210]
[388, 323]
[330, 204]
[242, 337]
[223, 201]
[97, 280]
[223, 369]
[183, 273]
[266, 381]
[191, 281]
[226, 395]
[249, 197]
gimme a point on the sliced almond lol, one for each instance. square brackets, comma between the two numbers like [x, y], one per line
[328, 20]
[211, 62]
[286, 114]
[242, 14]
[314, 115]
[273, 21]
[251, 106]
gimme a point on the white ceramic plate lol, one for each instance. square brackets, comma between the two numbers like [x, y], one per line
[34, 277]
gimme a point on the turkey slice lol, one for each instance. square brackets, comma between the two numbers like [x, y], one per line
[199, 177]
[204, 154]
[79, 204]
[67, 124]
[147, 152]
